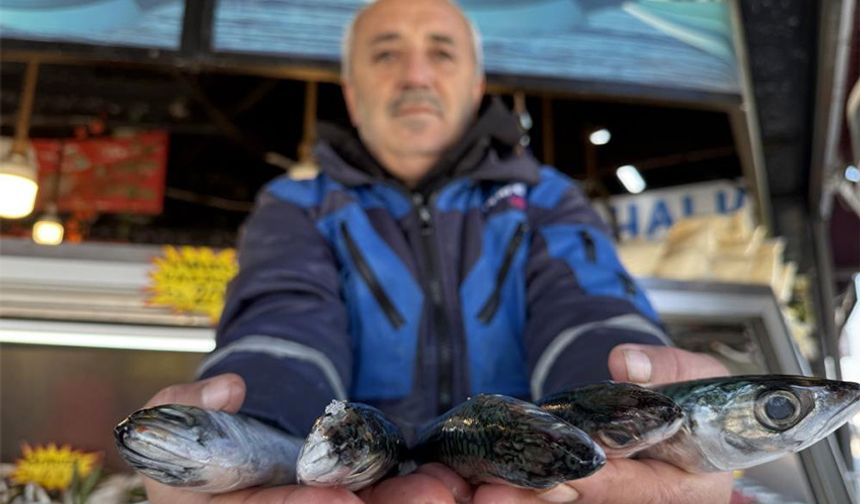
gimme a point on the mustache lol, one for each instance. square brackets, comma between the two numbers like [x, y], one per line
[415, 97]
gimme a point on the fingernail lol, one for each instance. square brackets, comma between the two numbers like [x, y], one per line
[638, 366]
[215, 394]
[561, 493]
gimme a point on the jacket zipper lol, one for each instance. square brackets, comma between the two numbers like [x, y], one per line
[489, 309]
[629, 286]
[370, 279]
[442, 326]
[590, 249]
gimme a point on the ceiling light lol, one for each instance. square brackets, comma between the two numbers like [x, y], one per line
[600, 137]
[852, 174]
[18, 186]
[631, 179]
[48, 230]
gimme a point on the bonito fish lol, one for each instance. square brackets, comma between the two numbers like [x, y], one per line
[206, 451]
[622, 418]
[743, 421]
[495, 438]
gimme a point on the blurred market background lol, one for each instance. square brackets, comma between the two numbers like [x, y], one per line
[720, 139]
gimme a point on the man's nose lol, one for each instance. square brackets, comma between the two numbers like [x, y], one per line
[417, 72]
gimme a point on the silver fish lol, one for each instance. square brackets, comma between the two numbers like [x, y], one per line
[622, 418]
[206, 451]
[743, 421]
[494, 438]
[352, 445]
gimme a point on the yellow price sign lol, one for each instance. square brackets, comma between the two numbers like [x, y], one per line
[52, 467]
[192, 279]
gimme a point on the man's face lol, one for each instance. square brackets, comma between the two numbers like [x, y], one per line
[413, 85]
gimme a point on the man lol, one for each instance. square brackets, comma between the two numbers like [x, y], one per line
[431, 260]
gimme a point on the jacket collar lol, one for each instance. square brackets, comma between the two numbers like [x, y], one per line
[489, 151]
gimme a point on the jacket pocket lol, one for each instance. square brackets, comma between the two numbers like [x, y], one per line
[589, 245]
[363, 268]
[491, 306]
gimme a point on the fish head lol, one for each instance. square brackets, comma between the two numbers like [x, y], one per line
[172, 444]
[752, 420]
[351, 445]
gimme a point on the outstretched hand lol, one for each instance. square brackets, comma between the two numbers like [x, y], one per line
[629, 481]
[432, 484]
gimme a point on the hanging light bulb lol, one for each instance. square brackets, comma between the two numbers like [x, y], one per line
[49, 229]
[18, 186]
[18, 180]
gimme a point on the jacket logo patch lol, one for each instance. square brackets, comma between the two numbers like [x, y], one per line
[514, 194]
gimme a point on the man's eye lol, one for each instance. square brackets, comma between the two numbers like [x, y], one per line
[383, 56]
[441, 55]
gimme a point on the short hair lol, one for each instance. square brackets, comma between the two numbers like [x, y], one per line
[349, 36]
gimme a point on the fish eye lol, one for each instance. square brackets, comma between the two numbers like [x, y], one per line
[778, 410]
[615, 438]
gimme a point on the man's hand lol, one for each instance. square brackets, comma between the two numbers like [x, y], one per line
[632, 481]
[431, 484]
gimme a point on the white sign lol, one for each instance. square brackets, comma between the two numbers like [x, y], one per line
[650, 214]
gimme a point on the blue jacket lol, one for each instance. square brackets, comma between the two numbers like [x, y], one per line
[495, 276]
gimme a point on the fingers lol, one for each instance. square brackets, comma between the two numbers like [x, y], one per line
[459, 488]
[292, 494]
[503, 494]
[414, 488]
[156, 493]
[626, 481]
[223, 392]
[649, 364]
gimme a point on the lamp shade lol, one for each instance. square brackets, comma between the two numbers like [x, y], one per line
[17, 186]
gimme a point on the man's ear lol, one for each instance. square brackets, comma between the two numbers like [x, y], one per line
[478, 91]
[349, 98]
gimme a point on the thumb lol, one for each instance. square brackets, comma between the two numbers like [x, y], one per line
[654, 365]
[224, 392]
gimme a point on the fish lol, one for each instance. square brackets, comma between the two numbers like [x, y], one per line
[623, 418]
[206, 451]
[352, 445]
[499, 439]
[738, 422]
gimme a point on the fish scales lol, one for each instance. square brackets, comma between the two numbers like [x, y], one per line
[493, 438]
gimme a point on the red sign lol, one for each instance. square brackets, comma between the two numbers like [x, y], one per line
[104, 175]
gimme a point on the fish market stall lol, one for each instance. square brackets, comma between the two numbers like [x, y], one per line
[117, 368]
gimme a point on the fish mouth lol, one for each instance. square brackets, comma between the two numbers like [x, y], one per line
[318, 464]
[152, 441]
[141, 455]
[845, 412]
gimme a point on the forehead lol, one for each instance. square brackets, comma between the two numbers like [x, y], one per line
[411, 19]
